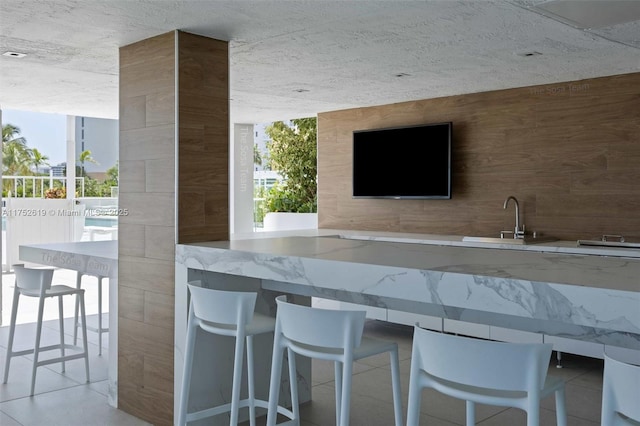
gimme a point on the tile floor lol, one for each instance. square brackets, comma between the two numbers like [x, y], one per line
[66, 400]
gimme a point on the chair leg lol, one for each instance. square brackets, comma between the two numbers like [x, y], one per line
[471, 413]
[414, 399]
[274, 384]
[293, 379]
[345, 404]
[395, 383]
[337, 366]
[237, 379]
[608, 415]
[61, 320]
[186, 372]
[12, 330]
[561, 408]
[99, 316]
[77, 308]
[533, 413]
[251, 382]
[84, 335]
[36, 348]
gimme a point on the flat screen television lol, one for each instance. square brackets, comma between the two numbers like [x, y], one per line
[403, 162]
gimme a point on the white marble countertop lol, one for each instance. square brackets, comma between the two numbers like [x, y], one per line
[584, 295]
[555, 246]
[561, 262]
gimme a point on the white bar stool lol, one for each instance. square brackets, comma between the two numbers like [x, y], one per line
[620, 393]
[224, 313]
[330, 335]
[76, 323]
[484, 372]
[36, 282]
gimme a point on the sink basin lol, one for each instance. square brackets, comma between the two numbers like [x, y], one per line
[519, 241]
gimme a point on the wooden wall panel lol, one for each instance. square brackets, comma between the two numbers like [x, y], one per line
[148, 147]
[568, 151]
[203, 169]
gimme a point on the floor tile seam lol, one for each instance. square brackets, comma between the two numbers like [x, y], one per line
[354, 373]
[66, 376]
[520, 409]
[576, 416]
[11, 417]
[12, 399]
[371, 369]
[323, 383]
[572, 381]
[581, 386]
[426, 413]
[75, 384]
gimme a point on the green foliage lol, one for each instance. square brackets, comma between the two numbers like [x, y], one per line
[293, 153]
[38, 159]
[94, 188]
[84, 157]
[257, 157]
[112, 176]
[259, 193]
[16, 155]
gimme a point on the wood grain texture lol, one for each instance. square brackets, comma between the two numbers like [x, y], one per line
[133, 243]
[146, 267]
[568, 151]
[148, 147]
[203, 157]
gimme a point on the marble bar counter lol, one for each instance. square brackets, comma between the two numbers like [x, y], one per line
[98, 258]
[582, 296]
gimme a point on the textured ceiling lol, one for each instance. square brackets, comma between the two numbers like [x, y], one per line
[291, 59]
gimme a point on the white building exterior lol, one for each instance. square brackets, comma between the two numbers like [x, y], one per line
[100, 136]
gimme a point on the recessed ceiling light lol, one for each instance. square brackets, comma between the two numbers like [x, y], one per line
[529, 54]
[14, 54]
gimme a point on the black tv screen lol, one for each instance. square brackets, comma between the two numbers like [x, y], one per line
[404, 162]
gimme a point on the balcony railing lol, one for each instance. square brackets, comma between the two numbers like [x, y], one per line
[36, 186]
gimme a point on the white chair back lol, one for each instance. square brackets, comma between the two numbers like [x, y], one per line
[33, 279]
[319, 327]
[222, 307]
[481, 363]
[620, 392]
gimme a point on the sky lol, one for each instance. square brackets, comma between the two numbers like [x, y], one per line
[46, 132]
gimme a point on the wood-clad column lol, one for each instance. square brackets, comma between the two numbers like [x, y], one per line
[173, 116]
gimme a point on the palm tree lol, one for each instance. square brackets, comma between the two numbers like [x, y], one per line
[16, 156]
[9, 131]
[38, 159]
[85, 156]
[257, 157]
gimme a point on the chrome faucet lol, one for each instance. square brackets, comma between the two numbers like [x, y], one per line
[518, 233]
